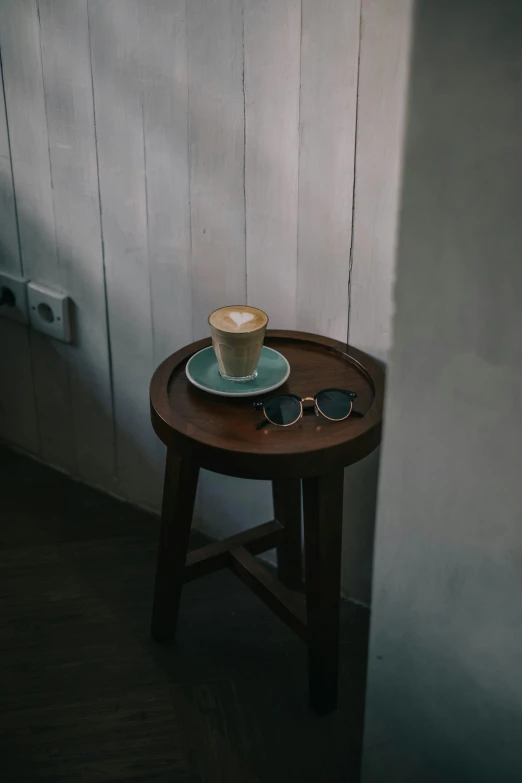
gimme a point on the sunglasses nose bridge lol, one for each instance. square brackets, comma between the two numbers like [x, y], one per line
[308, 407]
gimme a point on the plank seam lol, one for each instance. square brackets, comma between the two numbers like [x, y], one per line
[244, 154]
[104, 265]
[352, 228]
[66, 348]
[191, 262]
[8, 132]
[297, 324]
[147, 232]
[56, 253]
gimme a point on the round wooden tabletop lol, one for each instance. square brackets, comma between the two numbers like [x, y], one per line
[219, 433]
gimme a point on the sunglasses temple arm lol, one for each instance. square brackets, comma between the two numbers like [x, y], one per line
[356, 414]
[262, 424]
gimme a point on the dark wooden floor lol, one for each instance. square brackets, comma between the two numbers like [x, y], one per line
[85, 695]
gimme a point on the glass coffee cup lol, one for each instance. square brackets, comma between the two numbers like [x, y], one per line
[238, 333]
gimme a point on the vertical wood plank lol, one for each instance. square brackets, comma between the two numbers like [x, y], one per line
[21, 60]
[272, 61]
[216, 149]
[217, 187]
[23, 82]
[118, 97]
[17, 406]
[162, 30]
[329, 55]
[383, 82]
[69, 104]
[9, 251]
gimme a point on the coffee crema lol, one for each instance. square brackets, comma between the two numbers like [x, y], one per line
[238, 319]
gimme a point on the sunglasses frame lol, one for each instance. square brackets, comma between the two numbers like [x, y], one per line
[261, 406]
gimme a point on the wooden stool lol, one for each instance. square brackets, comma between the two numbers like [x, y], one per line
[219, 434]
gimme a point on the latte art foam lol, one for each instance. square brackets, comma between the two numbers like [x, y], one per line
[238, 319]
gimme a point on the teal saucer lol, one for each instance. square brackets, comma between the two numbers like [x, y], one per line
[272, 371]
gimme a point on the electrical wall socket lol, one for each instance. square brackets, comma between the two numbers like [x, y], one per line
[13, 298]
[49, 312]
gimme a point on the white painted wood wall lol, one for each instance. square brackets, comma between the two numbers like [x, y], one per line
[159, 158]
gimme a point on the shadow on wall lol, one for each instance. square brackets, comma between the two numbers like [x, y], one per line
[60, 376]
[90, 401]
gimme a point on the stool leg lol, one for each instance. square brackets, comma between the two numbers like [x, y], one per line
[323, 503]
[287, 510]
[179, 494]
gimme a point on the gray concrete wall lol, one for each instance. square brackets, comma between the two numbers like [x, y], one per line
[445, 682]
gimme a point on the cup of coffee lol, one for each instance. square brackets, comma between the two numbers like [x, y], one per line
[238, 333]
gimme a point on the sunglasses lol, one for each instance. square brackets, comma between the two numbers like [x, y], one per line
[287, 409]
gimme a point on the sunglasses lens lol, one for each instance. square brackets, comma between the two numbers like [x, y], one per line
[335, 404]
[283, 410]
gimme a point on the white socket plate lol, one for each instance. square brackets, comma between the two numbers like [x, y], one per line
[18, 287]
[49, 312]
